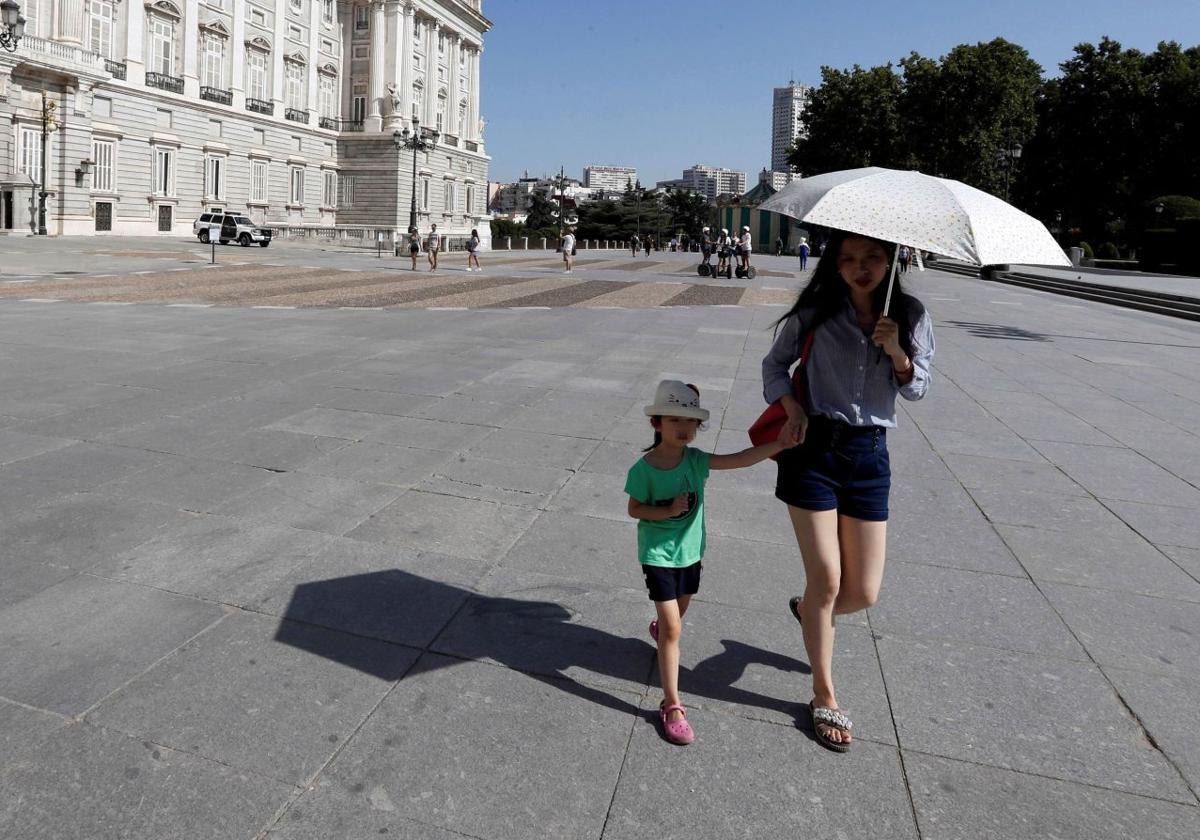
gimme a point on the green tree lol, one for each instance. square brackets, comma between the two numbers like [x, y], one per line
[851, 120]
[688, 211]
[541, 213]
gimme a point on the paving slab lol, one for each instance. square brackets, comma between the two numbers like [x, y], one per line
[380, 463]
[747, 778]
[21, 728]
[218, 558]
[1165, 706]
[16, 446]
[1132, 631]
[960, 799]
[230, 695]
[511, 484]
[1161, 524]
[310, 502]
[479, 530]
[924, 602]
[545, 450]
[99, 784]
[191, 484]
[69, 646]
[1117, 560]
[1034, 714]
[450, 776]
[1118, 473]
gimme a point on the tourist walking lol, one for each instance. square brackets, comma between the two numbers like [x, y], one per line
[837, 481]
[473, 251]
[414, 246]
[568, 249]
[804, 251]
[745, 246]
[647, 243]
[724, 249]
[634, 244]
[905, 256]
[666, 496]
[433, 244]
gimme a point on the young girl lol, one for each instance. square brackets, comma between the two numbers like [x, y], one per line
[473, 251]
[666, 496]
[836, 483]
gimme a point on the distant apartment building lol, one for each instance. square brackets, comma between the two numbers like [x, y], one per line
[777, 180]
[287, 111]
[670, 185]
[787, 122]
[712, 181]
[609, 177]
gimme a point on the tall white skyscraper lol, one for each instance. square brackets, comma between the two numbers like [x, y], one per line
[787, 122]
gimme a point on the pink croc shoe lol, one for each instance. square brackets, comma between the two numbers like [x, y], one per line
[654, 630]
[676, 731]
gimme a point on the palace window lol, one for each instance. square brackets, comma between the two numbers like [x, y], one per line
[102, 13]
[256, 74]
[296, 195]
[102, 166]
[214, 177]
[30, 153]
[164, 172]
[258, 181]
[213, 57]
[162, 45]
[327, 96]
[295, 84]
[330, 190]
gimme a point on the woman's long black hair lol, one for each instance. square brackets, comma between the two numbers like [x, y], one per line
[827, 293]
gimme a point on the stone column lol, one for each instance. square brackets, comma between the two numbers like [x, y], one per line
[237, 54]
[429, 118]
[473, 116]
[191, 48]
[69, 22]
[135, 36]
[313, 102]
[375, 114]
[278, 51]
[452, 126]
[392, 109]
[404, 72]
[346, 51]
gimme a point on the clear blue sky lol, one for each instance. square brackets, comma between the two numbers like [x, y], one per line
[663, 84]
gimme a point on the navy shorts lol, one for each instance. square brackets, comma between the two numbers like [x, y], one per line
[838, 467]
[668, 583]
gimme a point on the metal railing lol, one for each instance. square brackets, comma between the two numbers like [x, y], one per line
[295, 115]
[213, 94]
[161, 80]
[116, 68]
[260, 106]
[341, 125]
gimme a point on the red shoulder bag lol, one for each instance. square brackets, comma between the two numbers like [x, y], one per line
[766, 427]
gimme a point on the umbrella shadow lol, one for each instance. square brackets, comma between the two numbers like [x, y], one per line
[1001, 331]
[375, 612]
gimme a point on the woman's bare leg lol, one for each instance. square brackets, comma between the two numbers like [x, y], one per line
[864, 550]
[817, 536]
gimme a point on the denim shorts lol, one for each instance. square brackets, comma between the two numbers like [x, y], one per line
[838, 467]
[667, 583]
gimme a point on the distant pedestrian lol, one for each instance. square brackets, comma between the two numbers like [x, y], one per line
[666, 496]
[634, 244]
[414, 246]
[905, 256]
[724, 250]
[473, 251]
[433, 244]
[568, 249]
[648, 242]
[778, 246]
[804, 252]
[706, 245]
[746, 246]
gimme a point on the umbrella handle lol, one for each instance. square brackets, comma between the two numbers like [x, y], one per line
[887, 302]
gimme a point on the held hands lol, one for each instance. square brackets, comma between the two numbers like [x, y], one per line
[790, 435]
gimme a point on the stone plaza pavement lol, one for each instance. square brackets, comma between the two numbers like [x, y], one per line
[317, 573]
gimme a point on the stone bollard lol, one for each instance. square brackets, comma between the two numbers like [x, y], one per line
[524, 243]
[508, 243]
[543, 243]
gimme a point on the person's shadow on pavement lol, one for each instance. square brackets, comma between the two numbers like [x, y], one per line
[536, 637]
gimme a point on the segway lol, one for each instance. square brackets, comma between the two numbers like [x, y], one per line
[746, 273]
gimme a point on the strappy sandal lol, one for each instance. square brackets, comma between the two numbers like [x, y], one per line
[654, 630]
[794, 608]
[676, 731]
[823, 717]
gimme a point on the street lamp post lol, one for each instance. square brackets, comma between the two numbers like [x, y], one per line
[12, 25]
[1008, 159]
[48, 125]
[418, 140]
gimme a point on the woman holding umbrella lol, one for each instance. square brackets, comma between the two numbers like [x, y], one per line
[857, 356]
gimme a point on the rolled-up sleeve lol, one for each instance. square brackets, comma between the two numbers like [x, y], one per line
[922, 360]
[779, 360]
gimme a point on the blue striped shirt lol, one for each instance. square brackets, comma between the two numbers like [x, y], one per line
[849, 378]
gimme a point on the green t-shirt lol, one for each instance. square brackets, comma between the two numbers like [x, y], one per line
[674, 543]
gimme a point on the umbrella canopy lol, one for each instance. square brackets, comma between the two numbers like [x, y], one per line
[934, 214]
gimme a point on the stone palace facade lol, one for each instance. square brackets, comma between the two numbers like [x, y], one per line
[284, 110]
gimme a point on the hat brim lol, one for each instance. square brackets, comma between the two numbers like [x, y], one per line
[700, 414]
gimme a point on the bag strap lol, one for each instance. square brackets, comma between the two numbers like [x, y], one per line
[806, 350]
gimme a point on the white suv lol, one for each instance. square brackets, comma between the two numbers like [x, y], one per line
[234, 228]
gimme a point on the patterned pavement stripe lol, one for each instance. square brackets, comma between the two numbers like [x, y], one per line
[636, 296]
[706, 296]
[495, 296]
[769, 297]
[113, 286]
[568, 295]
[395, 294]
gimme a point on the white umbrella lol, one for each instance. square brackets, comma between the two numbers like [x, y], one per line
[933, 214]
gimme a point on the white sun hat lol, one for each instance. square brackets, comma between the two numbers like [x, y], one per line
[676, 399]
